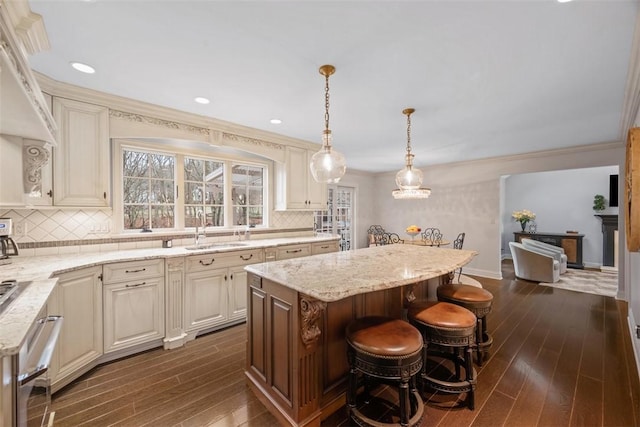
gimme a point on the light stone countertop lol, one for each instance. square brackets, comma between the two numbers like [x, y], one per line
[333, 276]
[16, 320]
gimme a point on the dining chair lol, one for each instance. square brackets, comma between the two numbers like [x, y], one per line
[433, 235]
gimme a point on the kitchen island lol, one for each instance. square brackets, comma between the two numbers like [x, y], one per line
[298, 310]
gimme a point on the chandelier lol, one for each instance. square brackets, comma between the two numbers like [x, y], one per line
[327, 165]
[409, 180]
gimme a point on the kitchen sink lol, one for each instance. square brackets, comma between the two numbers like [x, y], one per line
[215, 245]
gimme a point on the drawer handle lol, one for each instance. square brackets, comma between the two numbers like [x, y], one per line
[207, 263]
[136, 285]
[135, 271]
[246, 259]
[324, 247]
[294, 251]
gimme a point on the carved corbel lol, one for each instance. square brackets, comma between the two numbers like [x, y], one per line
[34, 157]
[310, 312]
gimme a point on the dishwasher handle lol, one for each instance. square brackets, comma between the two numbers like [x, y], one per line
[49, 330]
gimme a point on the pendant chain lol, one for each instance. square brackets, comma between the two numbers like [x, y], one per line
[326, 103]
[408, 133]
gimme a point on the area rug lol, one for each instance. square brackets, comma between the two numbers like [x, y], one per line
[590, 281]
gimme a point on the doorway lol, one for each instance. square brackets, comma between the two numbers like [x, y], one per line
[338, 218]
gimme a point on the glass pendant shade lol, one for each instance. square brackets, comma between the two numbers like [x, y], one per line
[327, 165]
[408, 179]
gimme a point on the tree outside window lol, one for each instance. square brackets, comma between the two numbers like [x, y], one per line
[247, 194]
[203, 191]
[148, 190]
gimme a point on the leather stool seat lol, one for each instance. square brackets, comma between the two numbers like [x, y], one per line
[447, 326]
[390, 351]
[476, 300]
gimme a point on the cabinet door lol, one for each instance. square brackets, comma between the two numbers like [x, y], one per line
[316, 192]
[237, 293]
[205, 302]
[81, 159]
[133, 313]
[297, 178]
[78, 298]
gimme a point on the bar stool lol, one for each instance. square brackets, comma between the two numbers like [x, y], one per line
[447, 330]
[478, 301]
[386, 350]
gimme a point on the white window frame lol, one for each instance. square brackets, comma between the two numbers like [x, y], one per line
[118, 145]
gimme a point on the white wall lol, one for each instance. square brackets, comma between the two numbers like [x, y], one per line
[466, 196]
[561, 200]
[364, 183]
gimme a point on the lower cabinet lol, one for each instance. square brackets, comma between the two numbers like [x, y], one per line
[133, 301]
[78, 298]
[216, 289]
[205, 303]
[133, 313]
[293, 251]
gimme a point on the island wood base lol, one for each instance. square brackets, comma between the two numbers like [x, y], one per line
[296, 349]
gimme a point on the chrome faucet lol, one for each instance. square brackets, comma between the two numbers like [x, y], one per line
[200, 234]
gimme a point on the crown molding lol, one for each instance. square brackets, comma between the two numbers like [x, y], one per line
[28, 26]
[158, 115]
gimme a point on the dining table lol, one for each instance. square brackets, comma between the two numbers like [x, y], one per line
[422, 242]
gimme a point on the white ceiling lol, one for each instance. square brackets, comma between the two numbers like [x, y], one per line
[486, 78]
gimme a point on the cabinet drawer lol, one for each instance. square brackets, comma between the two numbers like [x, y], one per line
[293, 251]
[134, 270]
[224, 259]
[324, 247]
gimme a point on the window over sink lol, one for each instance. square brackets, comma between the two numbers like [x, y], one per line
[166, 189]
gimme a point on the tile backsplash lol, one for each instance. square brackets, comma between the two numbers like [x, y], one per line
[35, 227]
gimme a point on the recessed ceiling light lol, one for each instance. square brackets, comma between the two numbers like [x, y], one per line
[564, 1]
[84, 68]
[275, 121]
[201, 100]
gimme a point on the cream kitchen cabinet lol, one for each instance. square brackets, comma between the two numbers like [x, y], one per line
[296, 188]
[81, 158]
[293, 251]
[324, 247]
[133, 298]
[215, 289]
[78, 298]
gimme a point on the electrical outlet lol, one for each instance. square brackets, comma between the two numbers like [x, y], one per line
[20, 229]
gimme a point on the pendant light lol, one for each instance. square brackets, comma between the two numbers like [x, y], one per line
[327, 165]
[409, 180]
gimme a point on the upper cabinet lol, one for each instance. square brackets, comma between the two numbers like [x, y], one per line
[81, 158]
[296, 188]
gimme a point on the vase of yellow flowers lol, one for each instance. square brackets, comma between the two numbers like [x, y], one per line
[523, 217]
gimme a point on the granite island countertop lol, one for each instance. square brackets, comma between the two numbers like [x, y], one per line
[333, 276]
[40, 271]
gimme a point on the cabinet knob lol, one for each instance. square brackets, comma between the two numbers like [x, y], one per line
[50, 193]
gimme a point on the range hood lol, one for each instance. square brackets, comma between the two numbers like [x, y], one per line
[23, 110]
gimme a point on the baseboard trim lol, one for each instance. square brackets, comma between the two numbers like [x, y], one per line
[469, 271]
[635, 341]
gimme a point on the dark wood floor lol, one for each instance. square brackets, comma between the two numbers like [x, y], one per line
[559, 358]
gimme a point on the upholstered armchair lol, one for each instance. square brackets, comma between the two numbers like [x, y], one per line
[534, 265]
[555, 251]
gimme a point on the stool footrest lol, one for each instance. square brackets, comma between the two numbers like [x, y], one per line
[450, 386]
[363, 421]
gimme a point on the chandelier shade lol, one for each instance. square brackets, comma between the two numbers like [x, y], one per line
[327, 165]
[409, 179]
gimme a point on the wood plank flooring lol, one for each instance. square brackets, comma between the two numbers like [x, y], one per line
[559, 358]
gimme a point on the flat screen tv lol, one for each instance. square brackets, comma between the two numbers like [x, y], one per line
[613, 190]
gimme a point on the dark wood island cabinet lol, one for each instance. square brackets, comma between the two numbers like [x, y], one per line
[298, 311]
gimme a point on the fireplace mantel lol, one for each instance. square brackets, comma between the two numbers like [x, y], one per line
[609, 228]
